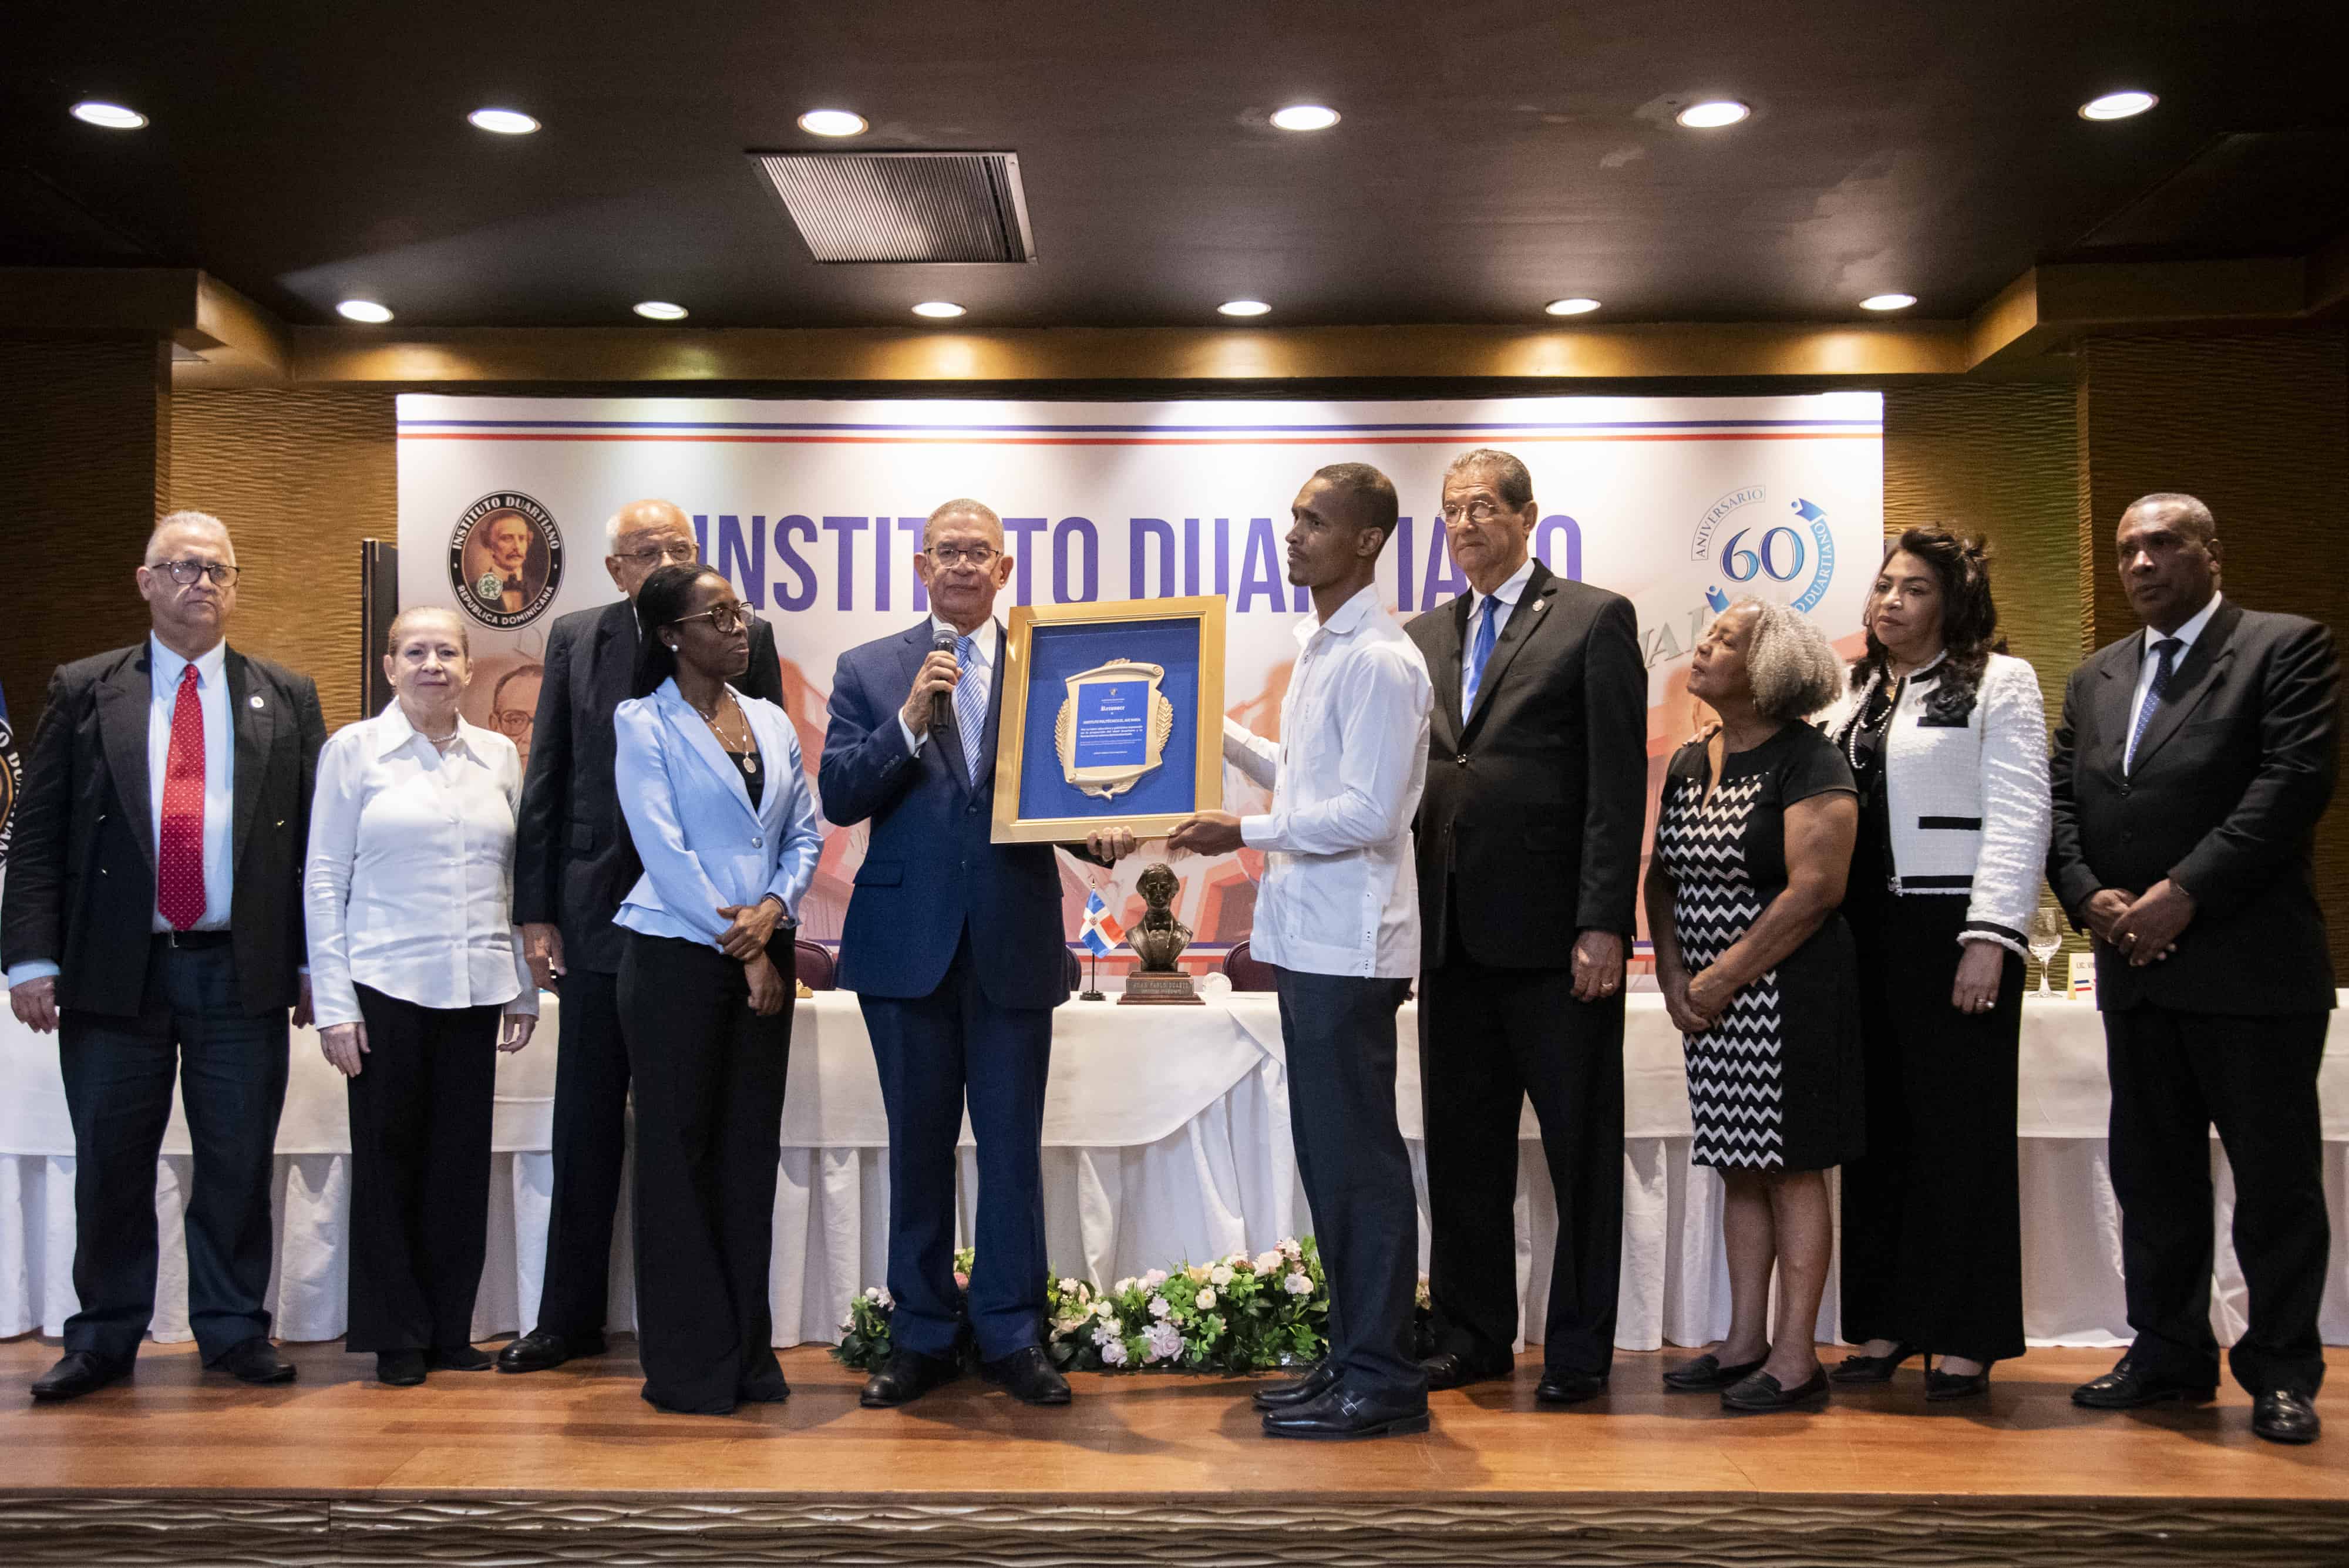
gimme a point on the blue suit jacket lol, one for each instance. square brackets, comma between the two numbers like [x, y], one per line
[930, 870]
[702, 844]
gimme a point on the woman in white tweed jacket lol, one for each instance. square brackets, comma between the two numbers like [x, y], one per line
[1948, 738]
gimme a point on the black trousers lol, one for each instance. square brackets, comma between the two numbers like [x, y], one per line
[419, 1172]
[934, 1053]
[1932, 1213]
[1339, 1033]
[231, 1066]
[590, 1143]
[2174, 1075]
[1488, 1039]
[709, 1076]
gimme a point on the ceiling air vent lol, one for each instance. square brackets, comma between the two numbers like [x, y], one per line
[905, 206]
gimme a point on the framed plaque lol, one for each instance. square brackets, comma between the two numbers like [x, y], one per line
[1112, 714]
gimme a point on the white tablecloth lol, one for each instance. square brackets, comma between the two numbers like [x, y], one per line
[1167, 1139]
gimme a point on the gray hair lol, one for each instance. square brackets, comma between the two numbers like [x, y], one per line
[618, 520]
[405, 622]
[1791, 665]
[2191, 517]
[959, 506]
[185, 519]
[1509, 476]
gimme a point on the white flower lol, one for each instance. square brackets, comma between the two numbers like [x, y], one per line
[1235, 1260]
[1219, 1276]
[1153, 1279]
[1207, 1297]
[1112, 1353]
[1124, 1284]
[1068, 1287]
[1104, 1333]
[1158, 1307]
[1105, 1311]
[873, 1293]
[1289, 1248]
[1165, 1342]
[1268, 1263]
[1297, 1284]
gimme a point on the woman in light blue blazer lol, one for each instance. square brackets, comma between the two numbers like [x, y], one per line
[724, 820]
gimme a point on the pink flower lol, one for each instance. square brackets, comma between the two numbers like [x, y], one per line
[962, 1281]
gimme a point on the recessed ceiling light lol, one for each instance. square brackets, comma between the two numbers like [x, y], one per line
[1245, 308]
[114, 117]
[1305, 116]
[2117, 105]
[660, 310]
[1712, 115]
[1571, 306]
[504, 121]
[365, 310]
[938, 310]
[1888, 301]
[833, 122]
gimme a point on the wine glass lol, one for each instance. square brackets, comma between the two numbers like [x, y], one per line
[2045, 939]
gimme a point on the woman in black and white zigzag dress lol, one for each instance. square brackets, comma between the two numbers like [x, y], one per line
[1754, 838]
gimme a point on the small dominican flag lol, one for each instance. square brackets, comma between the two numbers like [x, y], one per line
[1101, 931]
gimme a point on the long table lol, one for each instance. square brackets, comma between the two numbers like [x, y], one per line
[1166, 1134]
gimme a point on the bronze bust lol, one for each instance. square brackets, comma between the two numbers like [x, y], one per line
[1158, 939]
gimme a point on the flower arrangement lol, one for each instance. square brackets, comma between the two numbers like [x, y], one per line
[1239, 1314]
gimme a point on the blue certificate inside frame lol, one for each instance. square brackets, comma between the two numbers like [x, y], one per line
[1112, 717]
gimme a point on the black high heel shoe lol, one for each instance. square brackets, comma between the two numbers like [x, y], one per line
[1872, 1369]
[1941, 1384]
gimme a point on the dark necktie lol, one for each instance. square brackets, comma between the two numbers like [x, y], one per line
[2166, 650]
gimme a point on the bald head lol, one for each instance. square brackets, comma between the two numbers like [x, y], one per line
[644, 536]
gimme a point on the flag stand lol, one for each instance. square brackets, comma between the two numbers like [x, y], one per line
[1093, 991]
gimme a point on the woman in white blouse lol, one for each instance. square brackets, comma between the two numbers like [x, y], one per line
[1948, 739]
[419, 982]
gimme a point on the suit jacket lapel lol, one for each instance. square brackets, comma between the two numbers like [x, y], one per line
[986, 736]
[916, 650]
[613, 659]
[1444, 669]
[124, 700]
[253, 718]
[2115, 694]
[2202, 671]
[684, 722]
[1533, 605]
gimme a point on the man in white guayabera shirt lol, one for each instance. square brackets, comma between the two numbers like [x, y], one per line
[1338, 918]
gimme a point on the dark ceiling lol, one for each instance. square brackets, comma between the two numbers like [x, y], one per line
[1492, 155]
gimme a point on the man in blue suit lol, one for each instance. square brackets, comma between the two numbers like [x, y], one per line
[955, 949]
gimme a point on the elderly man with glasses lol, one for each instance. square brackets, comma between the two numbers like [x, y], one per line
[153, 919]
[572, 865]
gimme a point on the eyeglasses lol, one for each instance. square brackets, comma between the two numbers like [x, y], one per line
[724, 620]
[676, 553]
[511, 722]
[978, 556]
[186, 572]
[1478, 512]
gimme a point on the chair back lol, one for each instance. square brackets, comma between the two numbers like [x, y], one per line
[814, 963]
[1246, 970]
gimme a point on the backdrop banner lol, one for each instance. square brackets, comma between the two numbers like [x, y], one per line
[815, 510]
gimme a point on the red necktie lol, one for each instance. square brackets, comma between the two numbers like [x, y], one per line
[180, 854]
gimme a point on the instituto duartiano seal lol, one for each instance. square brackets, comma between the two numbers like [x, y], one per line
[1112, 727]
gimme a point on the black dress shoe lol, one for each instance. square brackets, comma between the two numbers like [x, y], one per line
[906, 1375]
[1343, 1412]
[1446, 1369]
[77, 1373]
[255, 1360]
[400, 1368]
[541, 1351]
[2127, 1388]
[1872, 1369]
[1027, 1375]
[1570, 1387]
[458, 1358]
[1941, 1384]
[1764, 1392]
[2284, 1416]
[1297, 1390]
[1706, 1374]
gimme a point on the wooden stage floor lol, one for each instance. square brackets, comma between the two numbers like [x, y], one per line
[572, 1466]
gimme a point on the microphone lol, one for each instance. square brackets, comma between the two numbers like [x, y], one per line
[942, 713]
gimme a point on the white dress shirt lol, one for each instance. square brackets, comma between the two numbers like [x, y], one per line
[220, 759]
[2150, 663]
[409, 883]
[1506, 596]
[985, 645]
[1340, 891]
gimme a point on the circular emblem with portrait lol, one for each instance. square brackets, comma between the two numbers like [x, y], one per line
[11, 779]
[505, 560]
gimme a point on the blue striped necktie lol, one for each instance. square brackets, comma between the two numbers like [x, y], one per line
[970, 706]
[2167, 650]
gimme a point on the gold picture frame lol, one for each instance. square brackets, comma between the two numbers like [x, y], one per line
[1140, 643]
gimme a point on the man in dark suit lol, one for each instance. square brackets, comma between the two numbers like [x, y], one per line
[957, 950]
[1529, 827]
[153, 919]
[573, 865]
[2190, 768]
